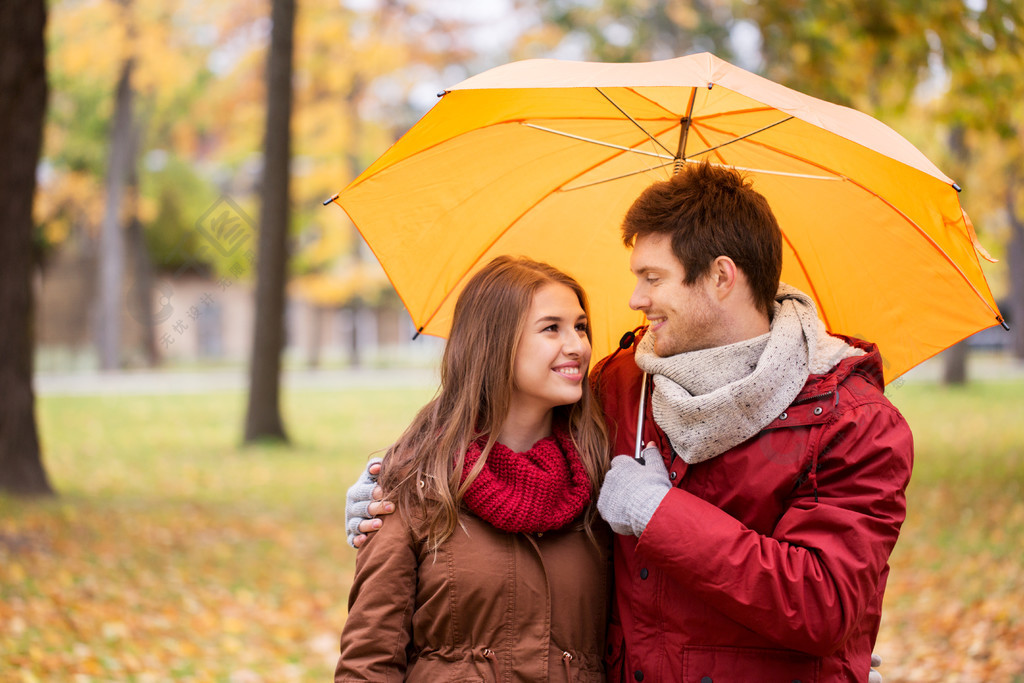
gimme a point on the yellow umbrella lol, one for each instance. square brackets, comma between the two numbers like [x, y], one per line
[543, 157]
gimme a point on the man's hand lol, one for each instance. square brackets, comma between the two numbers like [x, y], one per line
[632, 491]
[364, 503]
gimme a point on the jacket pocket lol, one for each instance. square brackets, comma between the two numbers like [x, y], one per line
[742, 665]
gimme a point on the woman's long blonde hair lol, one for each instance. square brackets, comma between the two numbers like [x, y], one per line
[423, 469]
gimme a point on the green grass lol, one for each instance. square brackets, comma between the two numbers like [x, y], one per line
[175, 554]
[955, 598]
[188, 447]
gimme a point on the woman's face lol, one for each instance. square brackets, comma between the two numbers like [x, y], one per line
[553, 353]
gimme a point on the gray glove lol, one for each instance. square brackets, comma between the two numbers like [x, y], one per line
[633, 491]
[874, 676]
[357, 502]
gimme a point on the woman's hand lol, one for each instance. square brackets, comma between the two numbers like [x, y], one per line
[364, 503]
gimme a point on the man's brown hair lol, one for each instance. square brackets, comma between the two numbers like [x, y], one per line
[713, 211]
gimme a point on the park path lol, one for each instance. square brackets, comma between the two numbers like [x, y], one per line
[174, 381]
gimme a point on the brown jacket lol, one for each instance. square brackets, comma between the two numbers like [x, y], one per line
[491, 606]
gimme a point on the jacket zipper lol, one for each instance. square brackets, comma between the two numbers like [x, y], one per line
[815, 398]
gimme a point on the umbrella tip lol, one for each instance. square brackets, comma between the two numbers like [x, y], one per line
[331, 199]
[442, 93]
[1002, 322]
[417, 334]
[957, 187]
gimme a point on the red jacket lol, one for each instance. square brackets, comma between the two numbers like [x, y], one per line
[768, 562]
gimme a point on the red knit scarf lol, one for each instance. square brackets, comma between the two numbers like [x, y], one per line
[541, 489]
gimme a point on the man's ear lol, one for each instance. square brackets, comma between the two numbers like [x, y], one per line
[722, 277]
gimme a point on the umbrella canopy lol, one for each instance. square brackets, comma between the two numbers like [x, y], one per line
[542, 158]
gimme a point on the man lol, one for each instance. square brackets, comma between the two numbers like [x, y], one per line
[756, 548]
[753, 534]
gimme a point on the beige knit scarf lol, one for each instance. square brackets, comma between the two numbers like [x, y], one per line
[711, 400]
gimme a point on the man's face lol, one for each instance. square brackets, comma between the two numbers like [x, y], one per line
[683, 317]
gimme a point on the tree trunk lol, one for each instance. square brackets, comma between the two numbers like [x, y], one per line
[316, 334]
[954, 369]
[355, 168]
[23, 94]
[142, 264]
[142, 291]
[955, 358]
[112, 235]
[1015, 258]
[355, 347]
[263, 418]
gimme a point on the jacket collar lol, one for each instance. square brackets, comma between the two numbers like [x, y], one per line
[870, 366]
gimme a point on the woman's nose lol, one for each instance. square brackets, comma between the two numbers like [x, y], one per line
[575, 343]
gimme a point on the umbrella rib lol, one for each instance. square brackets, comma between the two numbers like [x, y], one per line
[563, 188]
[633, 121]
[781, 152]
[596, 142]
[765, 171]
[744, 136]
[618, 177]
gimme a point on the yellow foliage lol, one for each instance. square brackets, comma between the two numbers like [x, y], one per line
[56, 230]
[90, 40]
[68, 200]
[337, 288]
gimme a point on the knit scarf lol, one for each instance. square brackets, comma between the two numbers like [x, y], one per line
[541, 489]
[711, 400]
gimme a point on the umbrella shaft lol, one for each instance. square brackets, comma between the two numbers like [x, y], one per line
[684, 130]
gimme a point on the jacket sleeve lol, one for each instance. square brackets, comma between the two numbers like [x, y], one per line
[378, 630]
[808, 584]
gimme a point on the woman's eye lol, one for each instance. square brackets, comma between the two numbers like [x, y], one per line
[581, 327]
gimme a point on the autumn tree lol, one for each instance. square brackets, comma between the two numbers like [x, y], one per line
[355, 70]
[628, 31]
[125, 181]
[23, 94]
[986, 100]
[263, 418]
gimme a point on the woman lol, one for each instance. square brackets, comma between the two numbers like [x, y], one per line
[498, 566]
